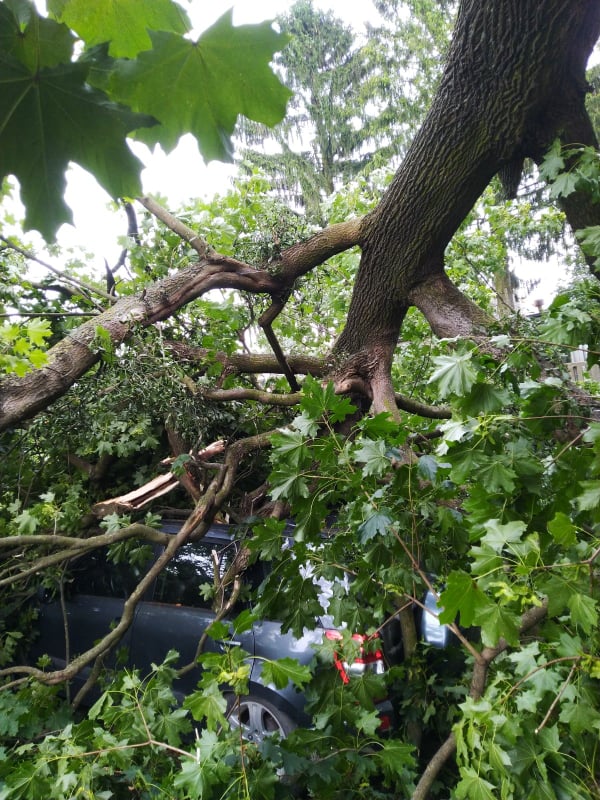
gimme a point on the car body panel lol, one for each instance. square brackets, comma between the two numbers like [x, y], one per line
[175, 613]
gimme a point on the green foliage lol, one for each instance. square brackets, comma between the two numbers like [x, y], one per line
[123, 24]
[499, 509]
[231, 64]
[62, 103]
[21, 346]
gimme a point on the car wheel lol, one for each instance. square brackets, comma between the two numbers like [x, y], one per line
[257, 718]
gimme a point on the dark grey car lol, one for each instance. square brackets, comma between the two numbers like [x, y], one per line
[174, 614]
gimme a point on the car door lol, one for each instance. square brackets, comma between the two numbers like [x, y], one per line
[182, 609]
[95, 593]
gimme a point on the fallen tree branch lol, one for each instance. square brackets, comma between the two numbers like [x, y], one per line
[247, 363]
[194, 528]
[413, 406]
[73, 547]
[268, 398]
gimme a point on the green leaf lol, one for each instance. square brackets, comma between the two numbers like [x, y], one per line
[284, 670]
[289, 487]
[197, 776]
[562, 529]
[122, 23]
[373, 454]
[26, 522]
[589, 499]
[473, 787]
[38, 330]
[244, 621]
[375, 525]
[395, 756]
[428, 467]
[461, 596]
[50, 118]
[218, 629]
[497, 622]
[486, 561]
[584, 611]
[318, 401]
[39, 43]
[553, 162]
[564, 184]
[291, 446]
[498, 535]
[589, 239]
[378, 427]
[202, 87]
[497, 477]
[207, 704]
[485, 398]
[454, 374]
[558, 591]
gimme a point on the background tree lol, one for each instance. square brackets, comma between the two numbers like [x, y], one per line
[357, 100]
[330, 129]
[482, 470]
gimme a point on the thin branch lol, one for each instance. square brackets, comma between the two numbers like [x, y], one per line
[533, 672]
[425, 578]
[181, 229]
[266, 323]
[248, 363]
[72, 547]
[87, 288]
[422, 409]
[433, 767]
[478, 682]
[556, 700]
[50, 314]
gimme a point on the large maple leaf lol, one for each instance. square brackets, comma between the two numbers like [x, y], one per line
[51, 117]
[201, 87]
[122, 23]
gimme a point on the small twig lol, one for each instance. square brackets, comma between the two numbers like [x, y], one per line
[533, 672]
[73, 281]
[556, 700]
[50, 314]
[423, 575]
[177, 226]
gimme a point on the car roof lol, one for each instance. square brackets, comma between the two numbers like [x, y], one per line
[222, 532]
[218, 531]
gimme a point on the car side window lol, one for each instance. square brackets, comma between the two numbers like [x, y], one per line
[189, 576]
[93, 574]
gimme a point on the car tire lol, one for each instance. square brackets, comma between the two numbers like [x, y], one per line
[258, 718]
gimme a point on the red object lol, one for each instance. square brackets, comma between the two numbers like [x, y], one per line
[372, 661]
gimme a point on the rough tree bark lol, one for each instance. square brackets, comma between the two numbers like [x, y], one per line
[514, 81]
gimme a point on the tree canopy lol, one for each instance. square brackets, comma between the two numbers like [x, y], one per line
[268, 370]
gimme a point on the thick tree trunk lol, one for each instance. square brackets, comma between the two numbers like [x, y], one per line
[514, 81]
